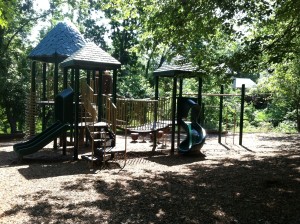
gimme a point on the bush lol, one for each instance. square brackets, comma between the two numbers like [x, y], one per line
[286, 127]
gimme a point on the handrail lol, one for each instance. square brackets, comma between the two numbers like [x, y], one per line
[137, 112]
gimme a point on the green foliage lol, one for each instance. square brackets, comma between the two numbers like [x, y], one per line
[95, 33]
[134, 86]
[286, 127]
[223, 38]
[283, 84]
[260, 118]
[14, 71]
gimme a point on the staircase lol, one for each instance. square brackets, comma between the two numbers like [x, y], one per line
[101, 135]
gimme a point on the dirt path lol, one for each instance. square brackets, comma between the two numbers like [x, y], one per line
[258, 182]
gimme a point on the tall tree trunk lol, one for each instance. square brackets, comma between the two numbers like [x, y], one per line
[12, 121]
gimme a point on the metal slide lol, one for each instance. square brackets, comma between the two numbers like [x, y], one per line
[41, 140]
[195, 134]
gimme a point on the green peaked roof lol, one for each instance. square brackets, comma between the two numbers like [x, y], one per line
[90, 56]
[177, 67]
[61, 42]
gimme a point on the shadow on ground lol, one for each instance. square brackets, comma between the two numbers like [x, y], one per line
[232, 191]
[244, 190]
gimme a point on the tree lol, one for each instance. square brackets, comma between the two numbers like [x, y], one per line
[273, 45]
[84, 14]
[283, 85]
[20, 17]
[202, 31]
[95, 33]
[223, 38]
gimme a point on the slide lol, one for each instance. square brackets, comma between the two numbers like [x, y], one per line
[41, 140]
[195, 134]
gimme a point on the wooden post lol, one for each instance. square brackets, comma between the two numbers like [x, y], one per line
[221, 114]
[242, 114]
[100, 101]
[115, 86]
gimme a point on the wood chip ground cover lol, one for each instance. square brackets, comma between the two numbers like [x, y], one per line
[258, 182]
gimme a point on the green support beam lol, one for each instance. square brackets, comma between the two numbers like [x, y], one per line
[55, 81]
[65, 84]
[174, 106]
[72, 78]
[76, 131]
[32, 97]
[221, 113]
[242, 114]
[200, 86]
[44, 96]
[33, 75]
[88, 77]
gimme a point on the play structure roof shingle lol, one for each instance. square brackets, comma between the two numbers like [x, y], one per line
[177, 68]
[90, 56]
[61, 42]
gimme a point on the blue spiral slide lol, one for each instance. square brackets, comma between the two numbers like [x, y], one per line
[195, 134]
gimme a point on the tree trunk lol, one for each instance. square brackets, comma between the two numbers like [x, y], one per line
[12, 121]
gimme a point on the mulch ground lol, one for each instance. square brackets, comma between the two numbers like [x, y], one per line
[258, 182]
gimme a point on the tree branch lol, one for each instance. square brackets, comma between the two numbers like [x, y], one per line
[23, 26]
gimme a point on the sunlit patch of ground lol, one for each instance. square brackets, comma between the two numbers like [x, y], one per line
[258, 182]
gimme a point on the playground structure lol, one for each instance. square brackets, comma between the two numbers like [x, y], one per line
[178, 70]
[97, 111]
